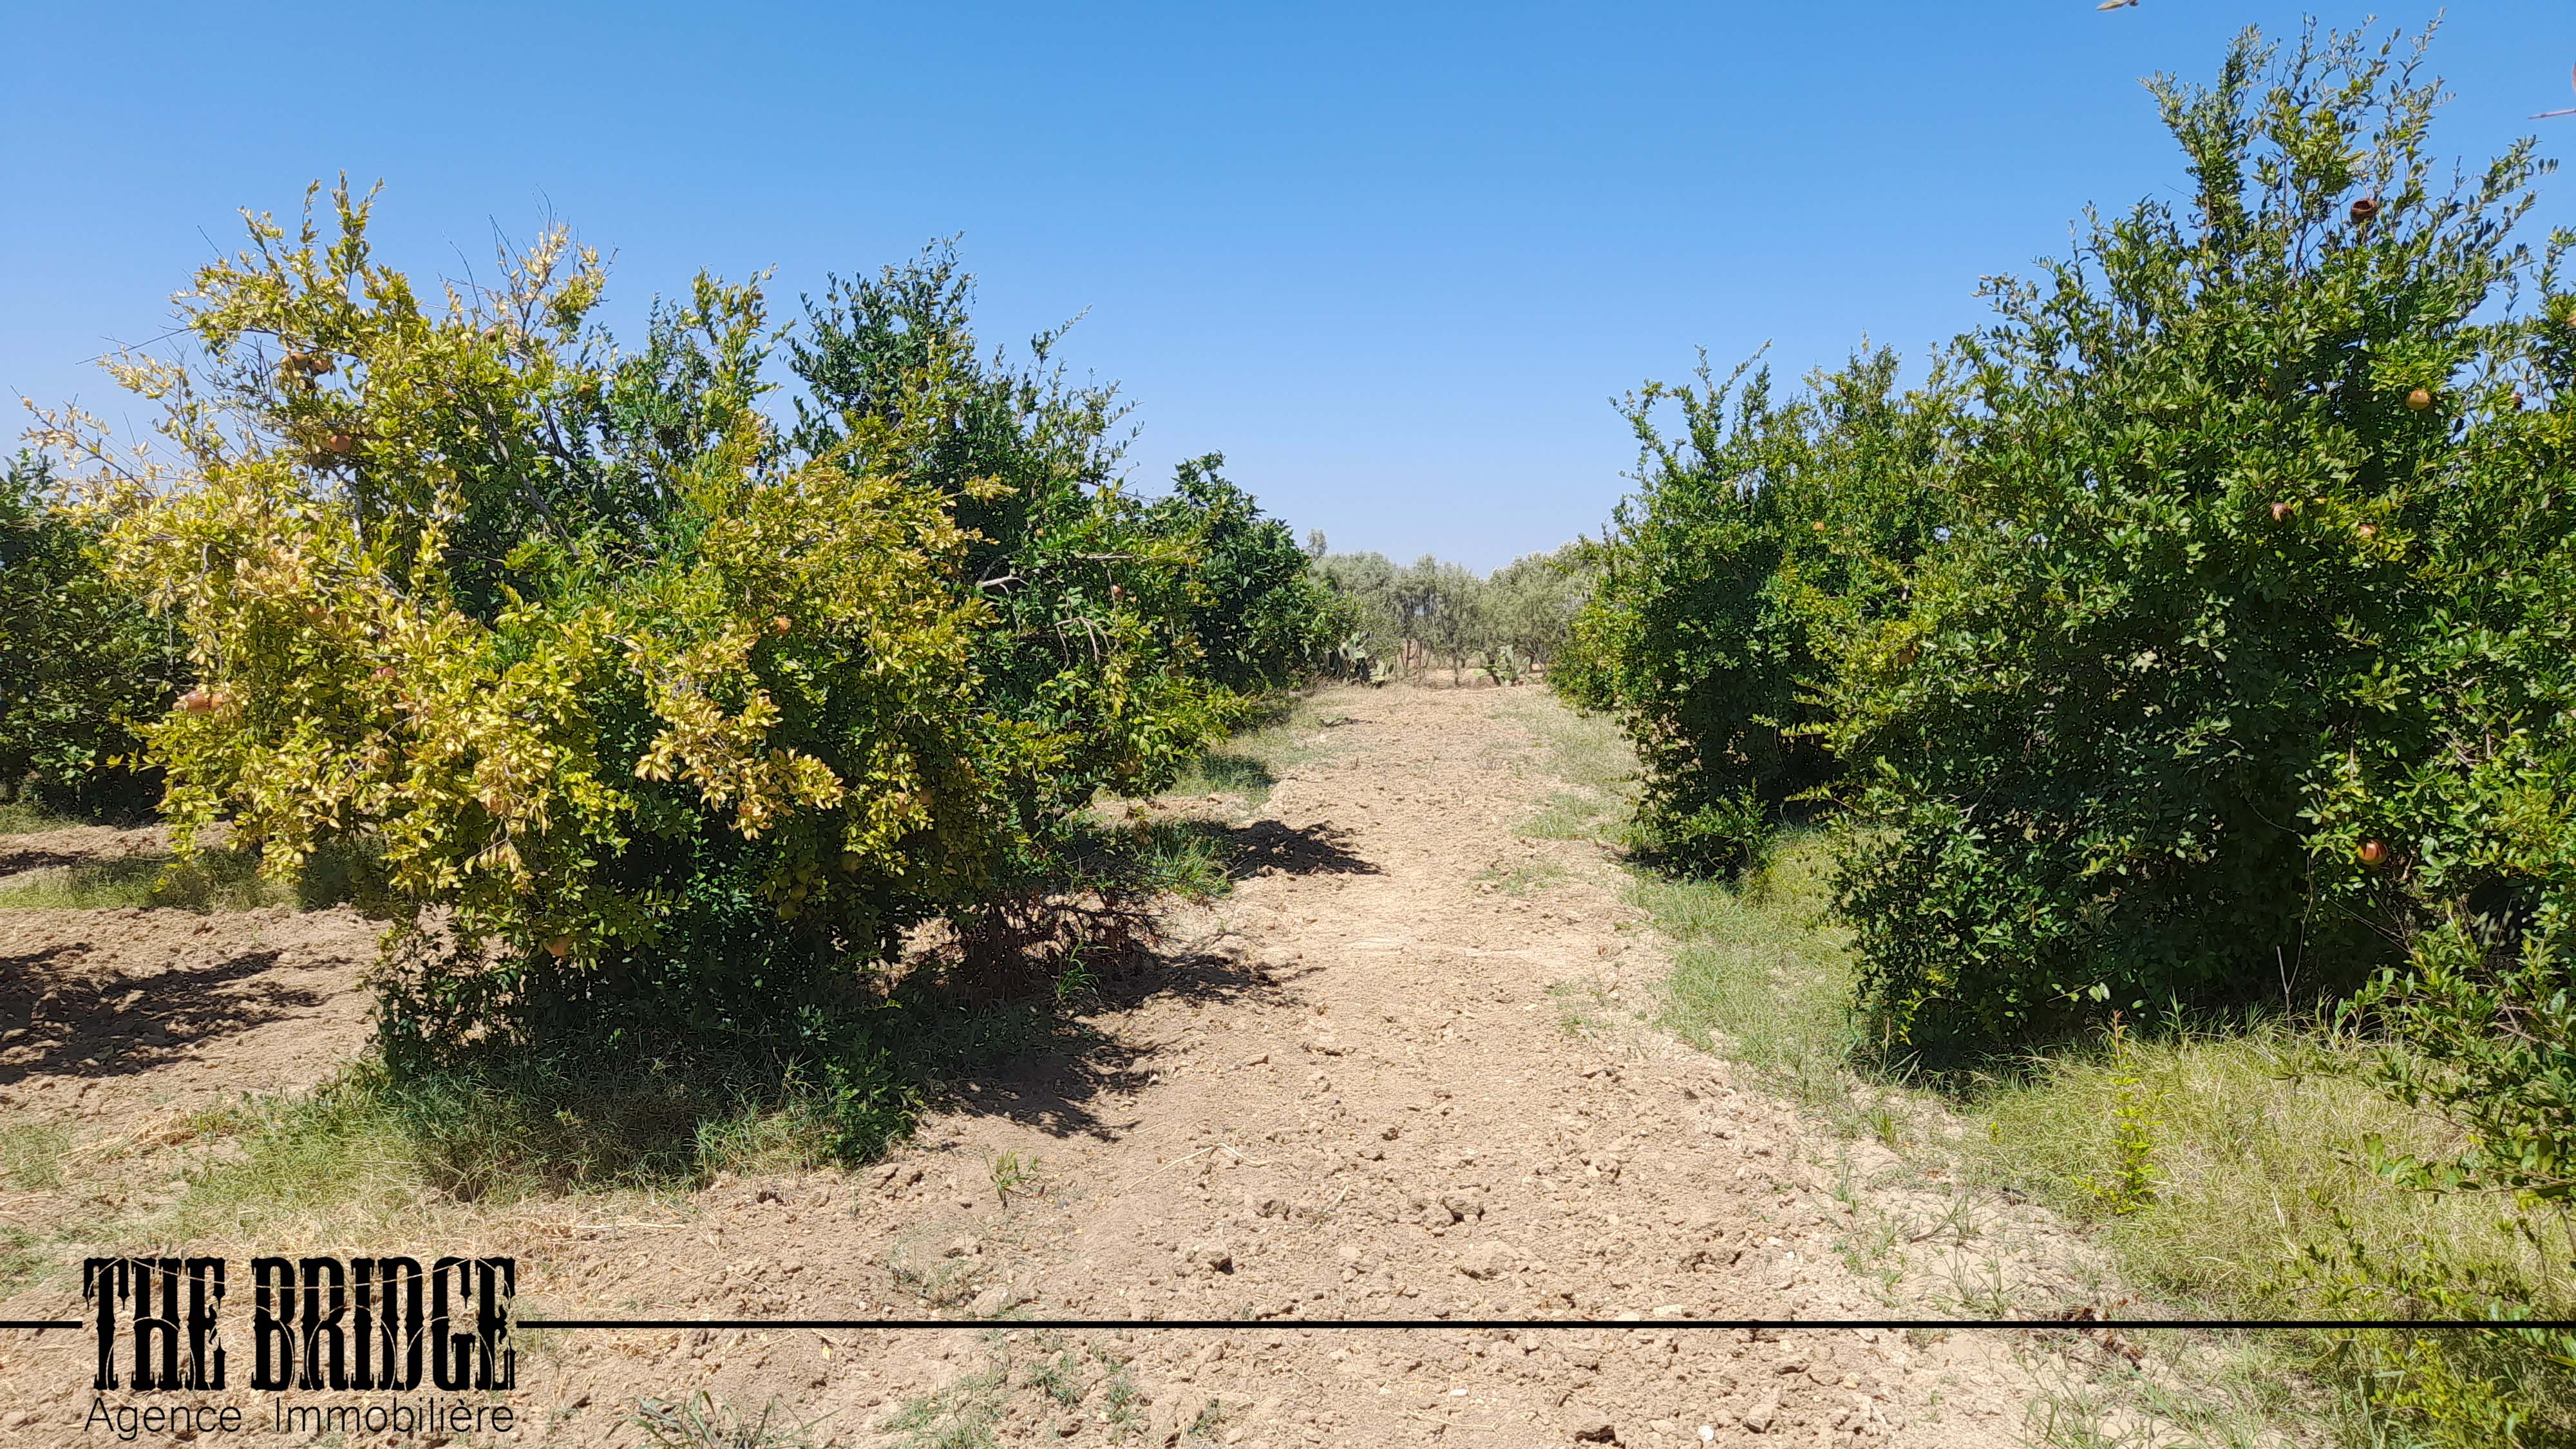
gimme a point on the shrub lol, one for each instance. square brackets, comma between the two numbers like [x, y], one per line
[1088, 654]
[665, 721]
[2230, 677]
[2203, 643]
[1261, 616]
[82, 662]
[1764, 537]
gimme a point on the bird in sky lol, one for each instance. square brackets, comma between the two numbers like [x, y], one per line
[2542, 116]
[2114, 4]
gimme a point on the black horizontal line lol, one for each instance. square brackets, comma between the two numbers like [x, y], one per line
[2553, 1325]
[1798, 1324]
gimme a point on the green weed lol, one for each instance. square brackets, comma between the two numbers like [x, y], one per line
[2126, 1182]
[1758, 974]
[1527, 878]
[1587, 754]
[26, 817]
[215, 881]
[31, 1155]
[1041, 1377]
[702, 1421]
[1013, 1173]
[1576, 815]
[1582, 1007]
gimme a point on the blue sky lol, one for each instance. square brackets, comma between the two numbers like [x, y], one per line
[1392, 260]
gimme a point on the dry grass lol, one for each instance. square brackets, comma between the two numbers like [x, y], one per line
[1587, 755]
[702, 1421]
[1023, 1383]
[218, 880]
[1284, 732]
[31, 1155]
[2256, 1145]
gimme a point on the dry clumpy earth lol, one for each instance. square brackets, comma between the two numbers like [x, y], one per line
[1404, 1071]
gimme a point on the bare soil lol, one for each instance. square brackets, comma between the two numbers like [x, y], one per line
[1404, 1071]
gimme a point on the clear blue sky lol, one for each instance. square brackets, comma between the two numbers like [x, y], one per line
[1393, 260]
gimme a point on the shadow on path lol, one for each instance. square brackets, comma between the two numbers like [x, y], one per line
[58, 1019]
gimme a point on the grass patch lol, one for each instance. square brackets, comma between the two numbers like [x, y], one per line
[1582, 1007]
[21, 1259]
[1577, 815]
[218, 880]
[2252, 1140]
[373, 1148]
[209, 882]
[1023, 1383]
[959, 1414]
[1759, 974]
[26, 817]
[1588, 754]
[31, 1156]
[1525, 879]
[1283, 732]
[1181, 856]
[1226, 770]
[1586, 751]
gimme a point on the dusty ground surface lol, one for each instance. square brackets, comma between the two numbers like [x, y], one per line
[75, 845]
[130, 1015]
[1401, 1072]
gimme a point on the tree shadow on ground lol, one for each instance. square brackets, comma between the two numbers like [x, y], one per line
[66, 1021]
[1068, 1083]
[672, 1110]
[1061, 1079]
[12, 861]
[1272, 847]
[628, 1094]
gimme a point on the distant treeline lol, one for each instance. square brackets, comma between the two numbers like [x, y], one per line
[1411, 618]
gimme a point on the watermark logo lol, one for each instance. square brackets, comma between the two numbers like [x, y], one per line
[170, 1326]
[315, 1323]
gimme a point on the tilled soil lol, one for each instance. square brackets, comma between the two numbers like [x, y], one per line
[1373, 1083]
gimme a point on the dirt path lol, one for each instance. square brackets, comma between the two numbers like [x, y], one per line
[1400, 1074]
